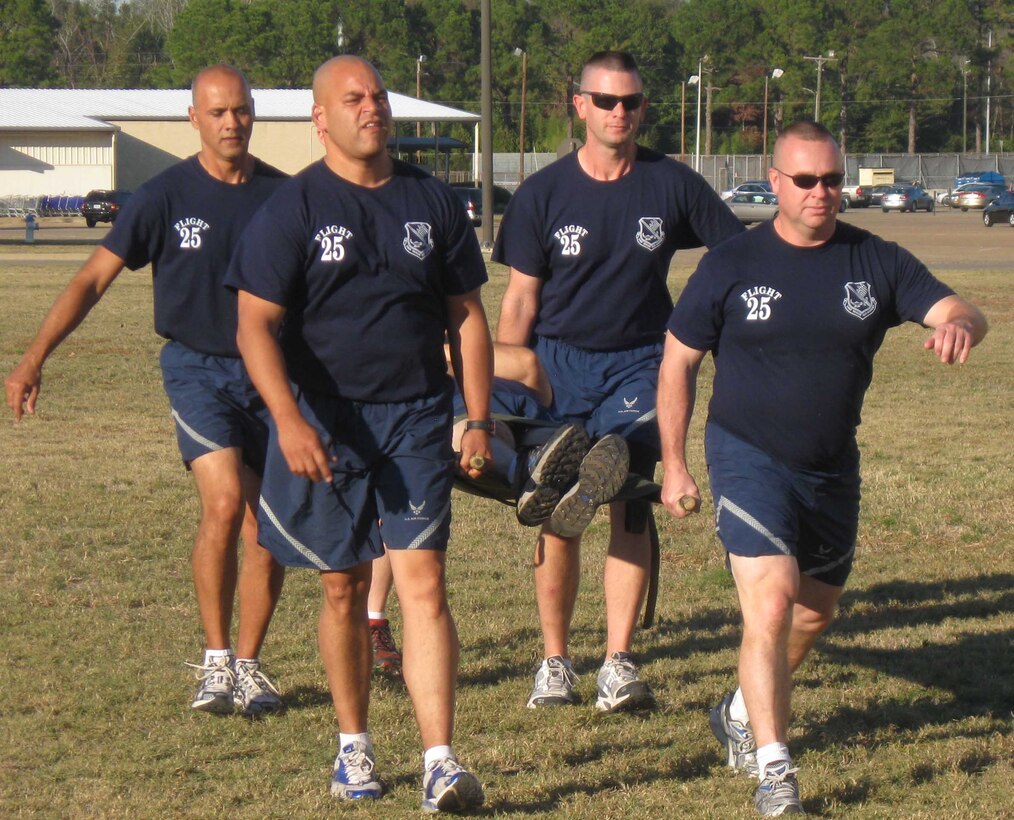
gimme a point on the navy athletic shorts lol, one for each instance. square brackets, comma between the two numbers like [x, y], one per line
[392, 484]
[764, 507]
[510, 398]
[609, 391]
[214, 405]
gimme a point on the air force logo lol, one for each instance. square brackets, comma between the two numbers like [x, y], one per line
[859, 299]
[418, 239]
[649, 232]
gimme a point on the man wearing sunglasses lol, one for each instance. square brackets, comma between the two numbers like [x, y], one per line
[589, 241]
[793, 313]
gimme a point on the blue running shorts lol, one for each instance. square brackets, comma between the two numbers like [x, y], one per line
[611, 391]
[510, 398]
[214, 405]
[392, 484]
[764, 507]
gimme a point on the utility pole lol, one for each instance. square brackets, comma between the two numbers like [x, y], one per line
[820, 60]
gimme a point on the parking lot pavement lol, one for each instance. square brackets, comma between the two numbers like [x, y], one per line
[945, 239]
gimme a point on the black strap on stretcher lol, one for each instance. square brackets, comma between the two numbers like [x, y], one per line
[530, 433]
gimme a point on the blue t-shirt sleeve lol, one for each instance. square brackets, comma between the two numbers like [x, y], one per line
[519, 243]
[464, 268]
[917, 289]
[272, 253]
[697, 317]
[709, 220]
[138, 234]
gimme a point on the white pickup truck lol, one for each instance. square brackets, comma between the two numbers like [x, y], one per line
[858, 196]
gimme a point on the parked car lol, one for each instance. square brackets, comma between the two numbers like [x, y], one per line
[907, 198]
[755, 186]
[753, 207]
[976, 196]
[857, 196]
[999, 210]
[877, 194]
[471, 198]
[103, 206]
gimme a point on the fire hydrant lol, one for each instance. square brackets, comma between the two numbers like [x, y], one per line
[31, 226]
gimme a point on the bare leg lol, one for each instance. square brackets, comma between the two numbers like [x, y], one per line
[344, 640]
[430, 642]
[214, 559]
[557, 575]
[260, 577]
[626, 580]
[383, 580]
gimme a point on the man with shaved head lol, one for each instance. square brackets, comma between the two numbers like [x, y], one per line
[349, 279]
[185, 223]
[793, 313]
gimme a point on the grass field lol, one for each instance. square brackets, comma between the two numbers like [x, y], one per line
[905, 709]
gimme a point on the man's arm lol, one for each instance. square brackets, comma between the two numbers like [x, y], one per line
[257, 338]
[472, 361]
[677, 392]
[519, 308]
[68, 311]
[958, 326]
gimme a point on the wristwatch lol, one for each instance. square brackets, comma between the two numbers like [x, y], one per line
[489, 425]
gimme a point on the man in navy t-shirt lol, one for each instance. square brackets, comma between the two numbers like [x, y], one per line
[185, 222]
[793, 313]
[589, 240]
[348, 280]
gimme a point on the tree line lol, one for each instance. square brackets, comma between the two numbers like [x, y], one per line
[891, 75]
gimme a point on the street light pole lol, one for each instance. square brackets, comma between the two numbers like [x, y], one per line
[683, 118]
[820, 60]
[964, 107]
[418, 87]
[696, 80]
[524, 94]
[775, 74]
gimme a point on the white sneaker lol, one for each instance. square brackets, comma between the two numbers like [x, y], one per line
[554, 684]
[255, 694]
[218, 681]
[354, 776]
[619, 687]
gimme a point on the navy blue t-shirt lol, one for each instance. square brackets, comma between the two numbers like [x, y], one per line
[364, 275]
[793, 332]
[603, 249]
[186, 224]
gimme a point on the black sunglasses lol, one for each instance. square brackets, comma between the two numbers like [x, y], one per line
[607, 102]
[808, 181]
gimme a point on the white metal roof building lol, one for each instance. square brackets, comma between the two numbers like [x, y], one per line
[60, 140]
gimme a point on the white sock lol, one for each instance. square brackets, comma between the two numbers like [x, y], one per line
[737, 708]
[435, 753]
[362, 737]
[377, 616]
[772, 753]
[212, 655]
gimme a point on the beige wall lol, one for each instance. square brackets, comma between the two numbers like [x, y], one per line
[54, 162]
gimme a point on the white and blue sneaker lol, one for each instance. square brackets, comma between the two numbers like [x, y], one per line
[354, 776]
[448, 786]
[619, 687]
[737, 738]
[778, 792]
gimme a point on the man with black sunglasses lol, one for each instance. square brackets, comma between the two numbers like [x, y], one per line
[793, 313]
[589, 241]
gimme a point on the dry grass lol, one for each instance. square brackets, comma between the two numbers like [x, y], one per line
[904, 711]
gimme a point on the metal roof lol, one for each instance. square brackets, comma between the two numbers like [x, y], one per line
[38, 109]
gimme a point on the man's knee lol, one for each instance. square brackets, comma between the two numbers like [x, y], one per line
[345, 592]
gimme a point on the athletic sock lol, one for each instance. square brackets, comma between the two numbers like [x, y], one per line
[377, 616]
[362, 737]
[772, 753]
[737, 708]
[436, 753]
[213, 655]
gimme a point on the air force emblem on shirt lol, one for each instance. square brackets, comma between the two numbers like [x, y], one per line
[191, 230]
[859, 299]
[649, 232]
[418, 239]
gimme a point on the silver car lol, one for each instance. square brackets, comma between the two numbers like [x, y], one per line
[755, 207]
[907, 198]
